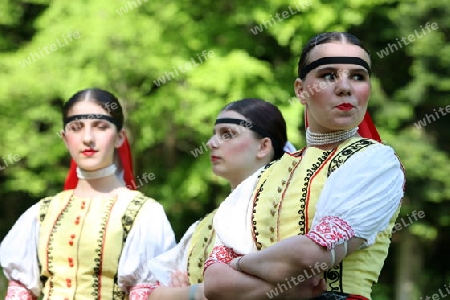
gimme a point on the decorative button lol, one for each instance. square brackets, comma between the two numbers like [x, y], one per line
[71, 243]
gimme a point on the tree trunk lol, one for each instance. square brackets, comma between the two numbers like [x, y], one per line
[409, 266]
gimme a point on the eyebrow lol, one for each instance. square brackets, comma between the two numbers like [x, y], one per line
[336, 69]
[94, 121]
[225, 127]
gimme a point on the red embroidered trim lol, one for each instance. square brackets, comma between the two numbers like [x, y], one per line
[142, 291]
[331, 231]
[220, 254]
[17, 291]
[356, 297]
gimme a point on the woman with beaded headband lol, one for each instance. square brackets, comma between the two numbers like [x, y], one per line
[248, 135]
[325, 210]
[92, 240]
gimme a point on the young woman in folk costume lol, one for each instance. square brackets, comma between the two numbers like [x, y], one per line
[93, 240]
[327, 209]
[248, 135]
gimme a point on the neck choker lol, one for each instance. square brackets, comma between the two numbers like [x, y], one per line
[96, 174]
[317, 139]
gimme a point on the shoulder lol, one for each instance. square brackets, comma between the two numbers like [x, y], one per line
[376, 161]
[56, 196]
[141, 204]
[374, 151]
[136, 197]
[44, 203]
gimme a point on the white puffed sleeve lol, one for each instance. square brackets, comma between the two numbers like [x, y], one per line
[238, 207]
[150, 236]
[359, 198]
[163, 266]
[18, 251]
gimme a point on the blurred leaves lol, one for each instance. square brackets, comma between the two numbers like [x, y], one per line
[126, 47]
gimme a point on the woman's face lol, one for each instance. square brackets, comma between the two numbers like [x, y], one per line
[91, 142]
[235, 151]
[335, 95]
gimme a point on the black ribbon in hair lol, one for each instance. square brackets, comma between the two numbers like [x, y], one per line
[244, 123]
[334, 60]
[93, 117]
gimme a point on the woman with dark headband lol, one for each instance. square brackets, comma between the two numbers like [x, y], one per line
[92, 240]
[327, 209]
[247, 136]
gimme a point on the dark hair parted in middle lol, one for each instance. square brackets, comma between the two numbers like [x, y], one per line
[103, 98]
[326, 37]
[266, 116]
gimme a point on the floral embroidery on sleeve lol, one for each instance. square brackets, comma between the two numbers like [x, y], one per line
[220, 254]
[331, 231]
[16, 291]
[142, 291]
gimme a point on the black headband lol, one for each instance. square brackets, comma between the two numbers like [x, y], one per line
[334, 60]
[244, 123]
[93, 117]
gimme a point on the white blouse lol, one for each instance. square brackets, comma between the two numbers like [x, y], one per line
[150, 235]
[365, 192]
[164, 265]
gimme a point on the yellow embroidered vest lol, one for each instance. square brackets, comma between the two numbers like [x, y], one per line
[200, 247]
[284, 204]
[80, 243]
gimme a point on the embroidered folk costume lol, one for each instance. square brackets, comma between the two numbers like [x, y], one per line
[68, 247]
[197, 243]
[353, 190]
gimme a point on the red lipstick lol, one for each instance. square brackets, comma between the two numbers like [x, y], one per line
[214, 158]
[89, 152]
[344, 106]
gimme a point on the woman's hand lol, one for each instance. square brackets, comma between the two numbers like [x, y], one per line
[179, 279]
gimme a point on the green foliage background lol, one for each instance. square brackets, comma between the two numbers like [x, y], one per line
[125, 46]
